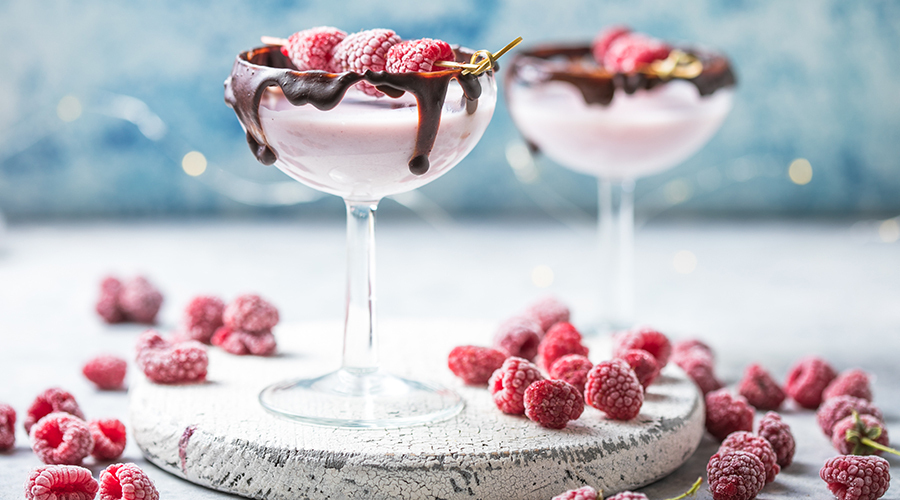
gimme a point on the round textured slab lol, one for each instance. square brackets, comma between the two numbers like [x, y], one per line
[216, 434]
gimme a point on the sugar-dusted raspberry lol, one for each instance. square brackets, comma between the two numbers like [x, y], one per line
[140, 300]
[807, 380]
[61, 438]
[416, 56]
[509, 382]
[107, 372]
[313, 49]
[644, 338]
[698, 366]
[726, 414]
[854, 383]
[552, 403]
[856, 478]
[848, 432]
[474, 364]
[50, 401]
[840, 407]
[561, 339]
[613, 388]
[760, 388]
[603, 40]
[573, 368]
[7, 427]
[60, 482]
[692, 347]
[628, 495]
[171, 363]
[241, 343]
[644, 365]
[126, 482]
[202, 316]
[109, 438]
[108, 302]
[627, 53]
[778, 433]
[757, 445]
[519, 336]
[583, 493]
[250, 313]
[365, 50]
[548, 311]
[735, 475]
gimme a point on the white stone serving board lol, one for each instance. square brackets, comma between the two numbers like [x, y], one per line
[216, 434]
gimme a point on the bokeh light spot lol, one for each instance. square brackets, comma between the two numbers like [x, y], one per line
[68, 109]
[194, 163]
[889, 231]
[542, 276]
[800, 171]
[677, 191]
[685, 262]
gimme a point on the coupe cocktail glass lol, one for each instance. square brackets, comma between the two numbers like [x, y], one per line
[321, 130]
[616, 127]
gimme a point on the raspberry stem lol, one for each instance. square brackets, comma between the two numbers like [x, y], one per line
[863, 437]
[691, 491]
[878, 446]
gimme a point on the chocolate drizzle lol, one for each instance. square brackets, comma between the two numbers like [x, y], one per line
[258, 69]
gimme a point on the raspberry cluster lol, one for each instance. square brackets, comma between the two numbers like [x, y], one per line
[560, 340]
[171, 362]
[137, 300]
[72, 482]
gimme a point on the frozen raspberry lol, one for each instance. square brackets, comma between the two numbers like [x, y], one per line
[627, 53]
[644, 365]
[561, 339]
[698, 366]
[760, 389]
[548, 311]
[849, 383]
[552, 403]
[583, 493]
[241, 343]
[856, 478]
[106, 372]
[7, 427]
[50, 401]
[140, 301]
[628, 495]
[474, 364]
[171, 363]
[613, 388]
[735, 475]
[365, 50]
[250, 313]
[759, 446]
[807, 380]
[519, 336]
[60, 482]
[313, 49]
[109, 438]
[572, 368]
[603, 40]
[644, 338]
[416, 56]
[202, 317]
[726, 414]
[840, 407]
[848, 434]
[692, 347]
[509, 382]
[126, 482]
[779, 435]
[108, 302]
[61, 438]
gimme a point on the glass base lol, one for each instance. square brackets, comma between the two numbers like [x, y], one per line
[361, 399]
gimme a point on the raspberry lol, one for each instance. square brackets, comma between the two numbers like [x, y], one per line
[644, 365]
[693, 347]
[849, 383]
[628, 495]
[474, 364]
[250, 313]
[50, 401]
[779, 435]
[856, 478]
[126, 482]
[726, 414]
[108, 302]
[140, 301]
[417, 55]
[627, 53]
[572, 368]
[313, 49]
[552, 403]
[613, 388]
[106, 372]
[61, 438]
[807, 379]
[735, 475]
[760, 389]
[365, 50]
[509, 382]
[60, 482]
[548, 311]
[699, 368]
[848, 434]
[171, 363]
[109, 438]
[759, 446]
[601, 43]
[560, 340]
[241, 343]
[519, 336]
[583, 493]
[7, 427]
[644, 338]
[838, 408]
[202, 316]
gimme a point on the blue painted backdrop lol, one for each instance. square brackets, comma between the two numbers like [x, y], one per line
[100, 100]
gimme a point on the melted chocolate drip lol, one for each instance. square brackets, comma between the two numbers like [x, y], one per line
[258, 69]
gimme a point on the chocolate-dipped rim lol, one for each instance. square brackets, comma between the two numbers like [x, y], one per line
[257, 69]
[598, 85]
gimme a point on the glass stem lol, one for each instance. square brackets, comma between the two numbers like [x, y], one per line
[360, 339]
[616, 228]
